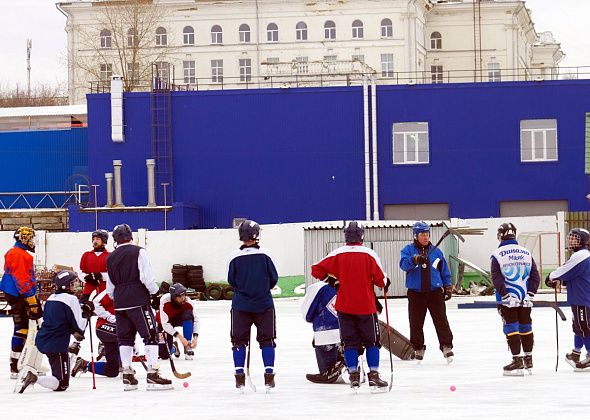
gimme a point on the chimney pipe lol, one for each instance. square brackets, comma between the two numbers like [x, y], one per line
[109, 178]
[118, 192]
[151, 185]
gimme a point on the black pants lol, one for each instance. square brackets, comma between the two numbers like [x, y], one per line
[60, 368]
[136, 321]
[433, 302]
[359, 330]
[518, 328]
[107, 334]
[20, 318]
[241, 323]
[580, 322]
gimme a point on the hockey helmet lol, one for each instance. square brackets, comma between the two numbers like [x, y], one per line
[177, 290]
[420, 227]
[122, 233]
[101, 234]
[354, 232]
[578, 238]
[25, 236]
[506, 231]
[64, 280]
[249, 230]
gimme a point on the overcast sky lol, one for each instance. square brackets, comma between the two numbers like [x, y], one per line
[44, 24]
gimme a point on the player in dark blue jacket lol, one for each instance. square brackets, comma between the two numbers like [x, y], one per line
[252, 274]
[576, 274]
[62, 317]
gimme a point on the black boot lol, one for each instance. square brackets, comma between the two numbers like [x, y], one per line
[376, 383]
[29, 379]
[528, 362]
[573, 358]
[515, 368]
[81, 366]
[418, 354]
[13, 368]
[156, 382]
[129, 380]
[583, 365]
[269, 380]
[355, 379]
[240, 380]
[448, 353]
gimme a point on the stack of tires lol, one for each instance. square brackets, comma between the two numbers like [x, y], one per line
[190, 276]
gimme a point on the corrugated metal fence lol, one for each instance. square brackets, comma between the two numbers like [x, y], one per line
[387, 240]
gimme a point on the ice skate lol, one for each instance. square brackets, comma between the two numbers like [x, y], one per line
[355, 380]
[156, 383]
[418, 355]
[101, 352]
[74, 347]
[448, 353]
[269, 381]
[583, 365]
[328, 377]
[573, 358]
[189, 354]
[175, 350]
[528, 363]
[376, 384]
[81, 366]
[129, 380]
[28, 378]
[515, 368]
[240, 381]
[13, 368]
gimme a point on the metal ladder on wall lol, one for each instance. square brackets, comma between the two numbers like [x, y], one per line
[161, 110]
[477, 69]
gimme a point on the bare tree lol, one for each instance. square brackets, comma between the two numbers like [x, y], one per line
[40, 95]
[126, 39]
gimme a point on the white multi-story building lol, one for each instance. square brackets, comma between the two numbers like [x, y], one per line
[206, 44]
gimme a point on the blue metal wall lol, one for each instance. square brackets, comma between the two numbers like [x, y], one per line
[474, 132]
[291, 155]
[42, 160]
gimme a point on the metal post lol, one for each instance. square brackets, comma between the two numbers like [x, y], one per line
[165, 184]
[109, 178]
[95, 207]
[118, 190]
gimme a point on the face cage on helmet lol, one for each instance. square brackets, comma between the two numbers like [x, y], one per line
[574, 240]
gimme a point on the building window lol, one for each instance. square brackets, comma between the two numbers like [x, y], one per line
[216, 34]
[106, 73]
[386, 28]
[301, 31]
[162, 70]
[387, 65]
[435, 41]
[301, 66]
[359, 57]
[330, 63]
[272, 32]
[494, 73]
[133, 72]
[189, 71]
[188, 35]
[245, 69]
[161, 37]
[244, 33]
[436, 73]
[538, 140]
[357, 29]
[410, 143]
[132, 38]
[217, 71]
[105, 38]
[329, 30]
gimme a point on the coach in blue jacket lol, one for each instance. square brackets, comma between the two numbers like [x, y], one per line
[428, 280]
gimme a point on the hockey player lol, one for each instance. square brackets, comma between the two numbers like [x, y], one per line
[130, 283]
[94, 265]
[19, 286]
[252, 274]
[358, 269]
[63, 317]
[318, 309]
[106, 331]
[516, 279]
[576, 274]
[428, 281]
[178, 310]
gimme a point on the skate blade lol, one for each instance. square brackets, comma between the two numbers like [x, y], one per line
[129, 387]
[158, 387]
[13, 375]
[379, 389]
[582, 369]
[449, 360]
[571, 363]
[241, 389]
[268, 389]
[517, 372]
[529, 371]
[188, 357]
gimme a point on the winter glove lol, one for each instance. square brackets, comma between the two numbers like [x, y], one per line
[332, 281]
[528, 300]
[112, 319]
[378, 306]
[155, 301]
[551, 283]
[87, 309]
[78, 336]
[510, 301]
[93, 279]
[419, 259]
[448, 292]
[33, 308]
[387, 284]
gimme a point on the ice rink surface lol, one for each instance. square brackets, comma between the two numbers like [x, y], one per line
[419, 391]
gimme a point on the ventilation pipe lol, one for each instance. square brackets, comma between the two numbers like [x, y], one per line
[117, 109]
[109, 178]
[151, 164]
[374, 146]
[367, 151]
[118, 192]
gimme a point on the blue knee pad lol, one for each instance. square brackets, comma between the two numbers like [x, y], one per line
[511, 328]
[525, 328]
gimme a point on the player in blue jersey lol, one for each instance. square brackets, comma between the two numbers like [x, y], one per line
[516, 279]
[576, 274]
[252, 274]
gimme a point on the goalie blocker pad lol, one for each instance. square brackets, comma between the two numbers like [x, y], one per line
[400, 345]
